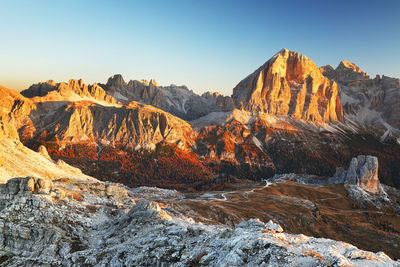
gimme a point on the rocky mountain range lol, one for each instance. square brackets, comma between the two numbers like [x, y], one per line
[287, 116]
[73, 112]
[255, 171]
[177, 100]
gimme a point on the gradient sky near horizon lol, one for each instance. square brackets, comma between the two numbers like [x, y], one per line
[206, 45]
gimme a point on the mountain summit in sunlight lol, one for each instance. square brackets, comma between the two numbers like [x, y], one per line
[288, 116]
[290, 84]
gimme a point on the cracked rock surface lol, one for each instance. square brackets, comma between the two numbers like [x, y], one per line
[100, 224]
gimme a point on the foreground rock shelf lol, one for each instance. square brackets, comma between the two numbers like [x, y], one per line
[94, 223]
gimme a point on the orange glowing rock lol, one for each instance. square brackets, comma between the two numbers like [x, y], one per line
[290, 84]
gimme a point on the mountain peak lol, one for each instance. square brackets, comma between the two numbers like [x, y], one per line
[283, 51]
[153, 82]
[290, 84]
[70, 91]
[327, 69]
[75, 84]
[345, 72]
[286, 53]
[50, 82]
[115, 80]
[345, 64]
[290, 64]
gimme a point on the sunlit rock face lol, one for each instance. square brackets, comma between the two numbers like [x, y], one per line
[72, 91]
[14, 111]
[75, 112]
[43, 151]
[131, 125]
[363, 171]
[290, 84]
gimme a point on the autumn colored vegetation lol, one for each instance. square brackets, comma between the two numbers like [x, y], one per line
[170, 167]
[167, 166]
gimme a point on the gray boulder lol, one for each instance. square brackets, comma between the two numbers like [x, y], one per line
[27, 185]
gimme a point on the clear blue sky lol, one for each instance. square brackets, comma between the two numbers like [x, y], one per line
[206, 45]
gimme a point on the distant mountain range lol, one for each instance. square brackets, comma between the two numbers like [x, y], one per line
[257, 171]
[287, 116]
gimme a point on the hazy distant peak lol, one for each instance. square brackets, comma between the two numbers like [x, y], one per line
[51, 82]
[153, 82]
[327, 67]
[116, 79]
[73, 83]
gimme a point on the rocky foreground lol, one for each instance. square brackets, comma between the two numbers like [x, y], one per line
[71, 222]
[60, 217]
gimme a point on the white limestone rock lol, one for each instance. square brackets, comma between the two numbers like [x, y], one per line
[36, 230]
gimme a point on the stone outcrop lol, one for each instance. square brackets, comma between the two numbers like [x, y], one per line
[28, 185]
[362, 171]
[290, 84]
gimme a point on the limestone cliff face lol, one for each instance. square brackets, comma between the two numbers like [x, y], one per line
[134, 125]
[290, 84]
[73, 112]
[374, 103]
[14, 111]
[52, 91]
